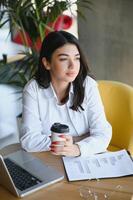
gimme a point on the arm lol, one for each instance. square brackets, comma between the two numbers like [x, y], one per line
[100, 129]
[32, 138]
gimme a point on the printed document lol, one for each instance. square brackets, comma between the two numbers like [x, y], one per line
[104, 165]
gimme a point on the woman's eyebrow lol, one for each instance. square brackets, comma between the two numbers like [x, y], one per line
[64, 54]
[77, 54]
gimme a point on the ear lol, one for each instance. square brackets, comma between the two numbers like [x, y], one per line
[46, 63]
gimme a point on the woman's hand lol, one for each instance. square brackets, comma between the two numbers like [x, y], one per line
[68, 149]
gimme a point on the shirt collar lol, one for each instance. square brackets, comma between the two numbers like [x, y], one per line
[71, 89]
[50, 92]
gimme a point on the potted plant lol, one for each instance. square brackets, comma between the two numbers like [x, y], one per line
[32, 19]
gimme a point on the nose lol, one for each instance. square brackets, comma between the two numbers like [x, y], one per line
[71, 63]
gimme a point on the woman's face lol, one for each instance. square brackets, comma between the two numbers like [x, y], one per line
[65, 64]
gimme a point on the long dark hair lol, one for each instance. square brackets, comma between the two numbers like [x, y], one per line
[51, 42]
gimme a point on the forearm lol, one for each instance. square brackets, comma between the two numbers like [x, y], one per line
[97, 142]
[79, 138]
[38, 142]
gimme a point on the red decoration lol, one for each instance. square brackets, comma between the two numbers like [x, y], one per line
[62, 22]
[17, 38]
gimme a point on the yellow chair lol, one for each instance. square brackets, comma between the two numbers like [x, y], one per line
[118, 103]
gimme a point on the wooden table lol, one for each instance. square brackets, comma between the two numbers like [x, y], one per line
[65, 190]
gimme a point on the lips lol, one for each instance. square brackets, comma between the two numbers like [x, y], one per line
[71, 73]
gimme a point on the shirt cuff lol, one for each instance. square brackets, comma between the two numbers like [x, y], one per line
[82, 147]
[87, 149]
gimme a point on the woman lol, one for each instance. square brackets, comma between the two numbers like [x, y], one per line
[63, 91]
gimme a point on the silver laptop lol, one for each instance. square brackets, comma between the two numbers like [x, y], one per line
[21, 173]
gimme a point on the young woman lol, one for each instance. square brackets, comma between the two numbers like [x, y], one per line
[63, 91]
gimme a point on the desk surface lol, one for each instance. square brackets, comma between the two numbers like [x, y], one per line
[65, 190]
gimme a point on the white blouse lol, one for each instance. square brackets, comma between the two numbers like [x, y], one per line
[41, 109]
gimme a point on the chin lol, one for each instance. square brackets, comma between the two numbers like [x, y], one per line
[71, 79]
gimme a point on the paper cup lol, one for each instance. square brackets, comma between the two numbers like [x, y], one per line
[57, 130]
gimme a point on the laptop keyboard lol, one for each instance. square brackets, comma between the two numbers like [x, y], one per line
[21, 178]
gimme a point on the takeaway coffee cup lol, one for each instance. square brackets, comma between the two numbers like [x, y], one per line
[58, 129]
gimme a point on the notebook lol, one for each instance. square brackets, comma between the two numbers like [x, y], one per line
[22, 174]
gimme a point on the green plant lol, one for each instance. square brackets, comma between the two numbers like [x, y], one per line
[31, 17]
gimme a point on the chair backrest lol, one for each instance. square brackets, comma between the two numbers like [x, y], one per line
[118, 103]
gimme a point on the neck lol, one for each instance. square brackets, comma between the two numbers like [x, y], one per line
[61, 90]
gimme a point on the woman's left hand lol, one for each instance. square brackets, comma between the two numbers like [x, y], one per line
[69, 149]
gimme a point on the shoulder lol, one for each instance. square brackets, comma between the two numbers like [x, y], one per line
[31, 89]
[89, 83]
[91, 89]
[32, 85]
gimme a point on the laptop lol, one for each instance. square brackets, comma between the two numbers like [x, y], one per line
[21, 173]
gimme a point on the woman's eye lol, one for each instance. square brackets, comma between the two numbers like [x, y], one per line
[62, 59]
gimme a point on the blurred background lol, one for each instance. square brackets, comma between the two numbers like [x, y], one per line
[107, 37]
